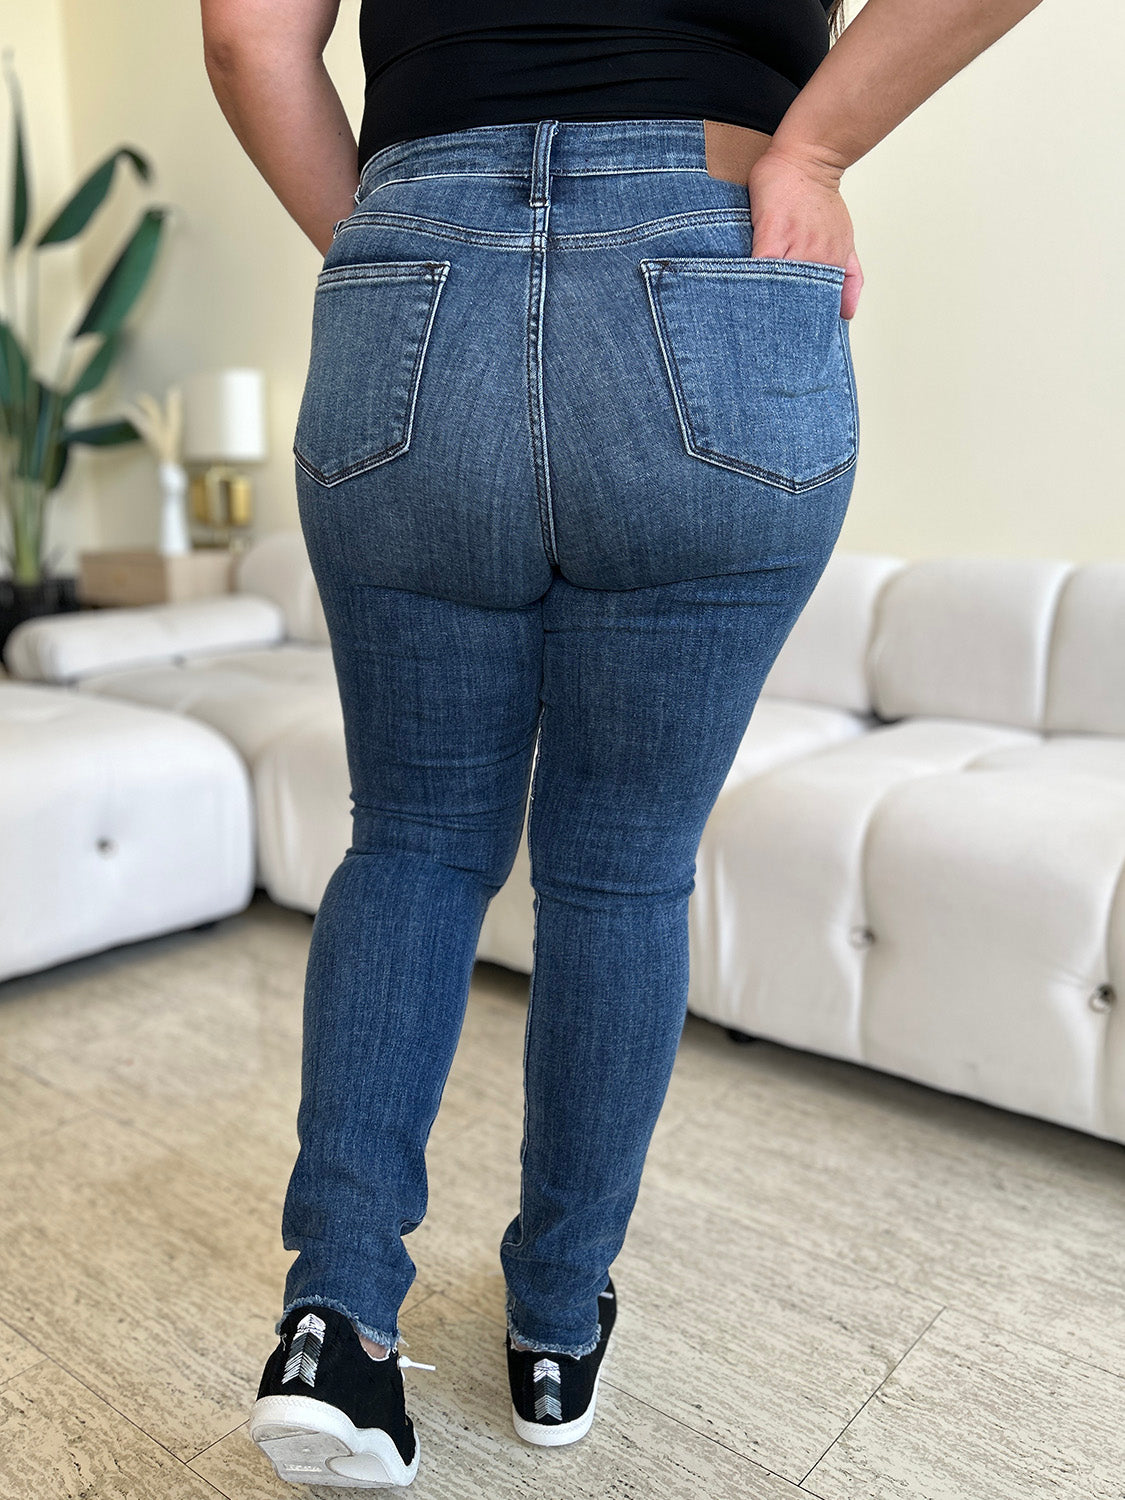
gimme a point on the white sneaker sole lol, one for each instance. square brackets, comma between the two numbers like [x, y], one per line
[311, 1442]
[554, 1435]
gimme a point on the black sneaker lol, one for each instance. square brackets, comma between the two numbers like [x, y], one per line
[327, 1413]
[554, 1395]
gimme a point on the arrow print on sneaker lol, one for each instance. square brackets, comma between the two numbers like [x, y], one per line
[546, 1386]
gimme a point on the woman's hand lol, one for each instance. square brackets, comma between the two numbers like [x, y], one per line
[797, 213]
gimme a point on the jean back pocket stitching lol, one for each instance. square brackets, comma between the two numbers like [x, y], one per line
[653, 271]
[436, 272]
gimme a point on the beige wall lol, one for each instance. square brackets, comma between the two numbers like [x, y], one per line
[33, 32]
[988, 342]
[990, 338]
[235, 279]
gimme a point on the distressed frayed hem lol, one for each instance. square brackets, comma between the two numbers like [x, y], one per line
[376, 1335]
[576, 1351]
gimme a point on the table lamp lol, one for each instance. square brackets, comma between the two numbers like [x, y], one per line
[224, 416]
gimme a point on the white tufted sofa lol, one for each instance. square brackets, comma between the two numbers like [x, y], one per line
[916, 860]
[116, 823]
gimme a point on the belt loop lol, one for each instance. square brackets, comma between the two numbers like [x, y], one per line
[541, 163]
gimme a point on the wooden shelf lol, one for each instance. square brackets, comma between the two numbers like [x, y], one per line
[148, 577]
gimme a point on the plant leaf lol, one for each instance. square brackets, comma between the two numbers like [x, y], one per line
[95, 369]
[56, 463]
[20, 193]
[104, 434]
[89, 196]
[14, 370]
[122, 283]
[48, 409]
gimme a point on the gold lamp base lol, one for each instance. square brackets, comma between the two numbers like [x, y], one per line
[221, 507]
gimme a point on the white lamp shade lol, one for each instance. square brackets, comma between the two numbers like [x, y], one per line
[225, 417]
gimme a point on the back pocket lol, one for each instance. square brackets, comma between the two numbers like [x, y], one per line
[758, 364]
[370, 331]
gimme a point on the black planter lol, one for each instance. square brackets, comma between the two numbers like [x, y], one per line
[22, 601]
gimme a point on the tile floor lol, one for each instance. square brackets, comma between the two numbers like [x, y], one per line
[835, 1283]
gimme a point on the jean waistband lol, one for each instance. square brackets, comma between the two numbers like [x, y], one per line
[538, 148]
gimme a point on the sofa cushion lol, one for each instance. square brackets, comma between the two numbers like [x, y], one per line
[301, 791]
[250, 696]
[277, 567]
[989, 891]
[61, 648]
[939, 899]
[966, 638]
[779, 914]
[781, 730]
[116, 823]
[824, 658]
[1086, 677]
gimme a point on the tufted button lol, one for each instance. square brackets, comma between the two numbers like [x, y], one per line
[861, 937]
[107, 846]
[1103, 997]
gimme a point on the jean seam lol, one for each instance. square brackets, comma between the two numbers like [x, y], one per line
[531, 985]
[498, 239]
[537, 417]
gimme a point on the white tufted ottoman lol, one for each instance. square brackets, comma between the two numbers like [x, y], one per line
[116, 823]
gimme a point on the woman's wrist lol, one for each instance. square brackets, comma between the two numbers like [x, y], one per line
[811, 160]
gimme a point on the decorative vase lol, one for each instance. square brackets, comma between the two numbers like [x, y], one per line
[174, 538]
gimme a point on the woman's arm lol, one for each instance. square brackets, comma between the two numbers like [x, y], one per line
[888, 61]
[265, 62]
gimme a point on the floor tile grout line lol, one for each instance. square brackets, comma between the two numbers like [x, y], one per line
[1025, 1338]
[470, 1307]
[210, 1483]
[19, 1374]
[104, 1111]
[689, 1115]
[961, 1309]
[795, 1243]
[195, 1457]
[14, 1328]
[708, 1437]
[897, 1364]
[633, 1396]
[104, 1400]
[47, 1358]
[28, 1071]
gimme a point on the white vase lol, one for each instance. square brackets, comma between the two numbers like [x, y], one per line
[174, 537]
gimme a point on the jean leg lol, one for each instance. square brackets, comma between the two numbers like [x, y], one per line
[647, 694]
[441, 707]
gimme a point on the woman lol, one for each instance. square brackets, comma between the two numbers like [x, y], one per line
[577, 438]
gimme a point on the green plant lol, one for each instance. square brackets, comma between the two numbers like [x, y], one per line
[35, 437]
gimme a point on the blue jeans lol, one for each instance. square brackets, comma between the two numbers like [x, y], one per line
[569, 462]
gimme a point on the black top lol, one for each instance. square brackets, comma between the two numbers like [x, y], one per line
[438, 65]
